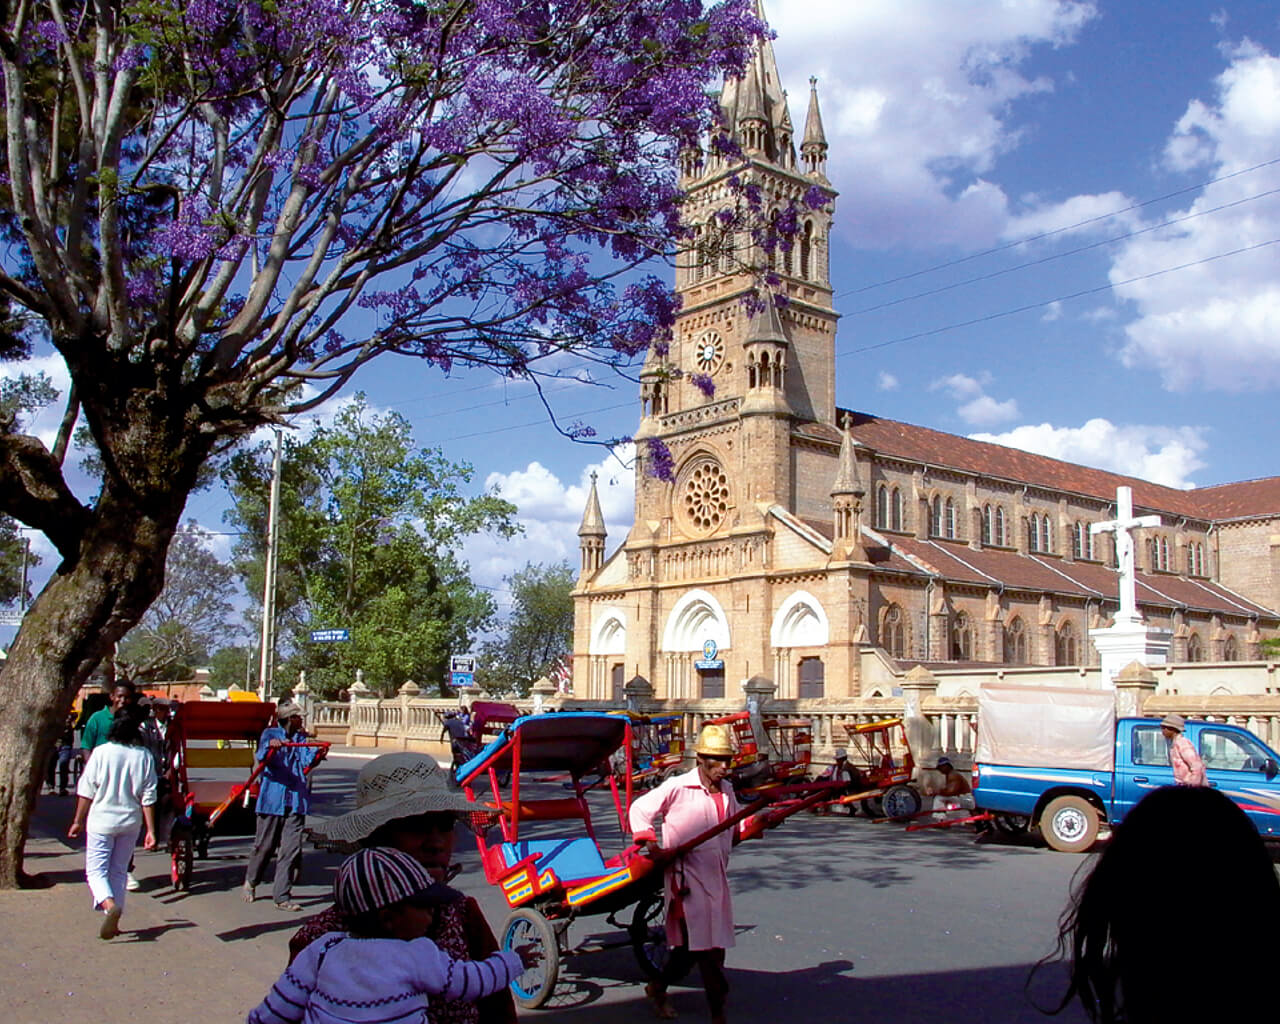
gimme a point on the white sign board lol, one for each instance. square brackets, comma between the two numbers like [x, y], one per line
[11, 616]
[462, 663]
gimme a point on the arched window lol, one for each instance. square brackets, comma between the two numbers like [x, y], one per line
[935, 516]
[775, 248]
[1066, 649]
[962, 638]
[1046, 534]
[986, 524]
[894, 636]
[882, 506]
[1015, 643]
[1000, 539]
[1077, 548]
[895, 506]
[1033, 532]
[806, 251]
[949, 520]
[1230, 649]
[1195, 648]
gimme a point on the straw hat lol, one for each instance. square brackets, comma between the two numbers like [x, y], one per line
[1175, 722]
[372, 879]
[713, 741]
[389, 787]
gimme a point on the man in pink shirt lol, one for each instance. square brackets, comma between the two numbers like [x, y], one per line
[698, 904]
[1188, 769]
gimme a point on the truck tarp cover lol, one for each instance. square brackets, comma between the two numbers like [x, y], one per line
[1046, 727]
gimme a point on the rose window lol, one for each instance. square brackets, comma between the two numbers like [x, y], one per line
[705, 496]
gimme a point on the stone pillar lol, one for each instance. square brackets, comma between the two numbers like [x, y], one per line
[1135, 683]
[919, 685]
[207, 693]
[405, 695]
[759, 691]
[358, 688]
[302, 694]
[543, 690]
[638, 692]
[1121, 643]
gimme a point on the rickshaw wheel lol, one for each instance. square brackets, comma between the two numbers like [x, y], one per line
[181, 862]
[527, 926]
[648, 933]
[900, 803]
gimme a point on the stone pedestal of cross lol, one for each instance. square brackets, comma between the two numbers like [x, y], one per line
[1129, 639]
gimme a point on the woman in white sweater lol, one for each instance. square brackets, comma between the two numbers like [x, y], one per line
[116, 795]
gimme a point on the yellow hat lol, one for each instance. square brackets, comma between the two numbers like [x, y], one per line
[714, 741]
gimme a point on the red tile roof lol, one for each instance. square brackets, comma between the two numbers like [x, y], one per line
[935, 448]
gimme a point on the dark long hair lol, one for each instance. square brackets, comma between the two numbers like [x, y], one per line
[126, 727]
[1176, 921]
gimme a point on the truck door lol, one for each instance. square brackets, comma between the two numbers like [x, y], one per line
[1238, 764]
[1146, 768]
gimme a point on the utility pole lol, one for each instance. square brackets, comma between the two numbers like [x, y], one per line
[266, 664]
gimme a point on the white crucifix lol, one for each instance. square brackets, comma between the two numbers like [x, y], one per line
[1120, 526]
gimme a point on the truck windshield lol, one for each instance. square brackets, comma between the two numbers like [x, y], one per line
[1231, 751]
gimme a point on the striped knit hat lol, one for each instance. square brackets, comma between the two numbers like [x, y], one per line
[380, 877]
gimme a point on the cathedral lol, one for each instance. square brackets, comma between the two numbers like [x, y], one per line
[796, 535]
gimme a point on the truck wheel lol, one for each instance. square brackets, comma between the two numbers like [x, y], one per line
[901, 803]
[1069, 824]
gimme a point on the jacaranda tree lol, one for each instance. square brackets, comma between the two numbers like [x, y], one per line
[216, 211]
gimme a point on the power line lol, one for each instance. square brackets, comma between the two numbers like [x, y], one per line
[1059, 255]
[1055, 231]
[1049, 302]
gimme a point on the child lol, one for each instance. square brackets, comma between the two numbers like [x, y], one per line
[383, 968]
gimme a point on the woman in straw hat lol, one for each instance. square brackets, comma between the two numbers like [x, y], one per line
[699, 907]
[403, 803]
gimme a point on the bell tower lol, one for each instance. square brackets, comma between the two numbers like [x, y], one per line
[759, 362]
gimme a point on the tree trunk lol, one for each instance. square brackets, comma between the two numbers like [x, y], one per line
[85, 608]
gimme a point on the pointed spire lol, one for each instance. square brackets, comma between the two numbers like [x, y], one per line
[766, 325]
[847, 477]
[813, 148]
[592, 518]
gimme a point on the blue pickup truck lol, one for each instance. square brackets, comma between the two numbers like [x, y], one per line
[1070, 804]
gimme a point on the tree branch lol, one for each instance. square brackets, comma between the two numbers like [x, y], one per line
[33, 491]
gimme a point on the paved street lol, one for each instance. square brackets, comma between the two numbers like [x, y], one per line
[838, 919]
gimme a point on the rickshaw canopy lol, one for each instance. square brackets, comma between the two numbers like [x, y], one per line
[570, 741]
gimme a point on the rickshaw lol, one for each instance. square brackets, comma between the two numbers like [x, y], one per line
[564, 873]
[200, 806]
[887, 790]
[469, 730]
[657, 748]
[786, 757]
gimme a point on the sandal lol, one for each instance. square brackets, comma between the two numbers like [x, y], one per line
[289, 906]
[662, 1009]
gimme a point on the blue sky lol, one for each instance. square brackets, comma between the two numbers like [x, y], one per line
[968, 138]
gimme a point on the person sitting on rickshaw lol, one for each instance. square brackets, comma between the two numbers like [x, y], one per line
[949, 788]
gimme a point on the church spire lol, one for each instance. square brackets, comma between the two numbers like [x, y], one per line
[592, 533]
[813, 148]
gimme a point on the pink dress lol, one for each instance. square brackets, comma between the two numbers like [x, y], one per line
[697, 885]
[1188, 769]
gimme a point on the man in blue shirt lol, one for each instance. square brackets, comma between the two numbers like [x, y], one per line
[283, 800]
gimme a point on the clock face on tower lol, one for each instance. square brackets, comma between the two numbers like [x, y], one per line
[709, 352]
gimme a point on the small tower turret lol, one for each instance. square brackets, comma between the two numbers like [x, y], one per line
[813, 149]
[592, 534]
[765, 348]
[847, 495]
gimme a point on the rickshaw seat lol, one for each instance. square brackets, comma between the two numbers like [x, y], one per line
[571, 859]
[213, 757]
[546, 810]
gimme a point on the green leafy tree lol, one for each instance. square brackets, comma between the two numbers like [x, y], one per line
[232, 666]
[369, 528]
[537, 634]
[193, 613]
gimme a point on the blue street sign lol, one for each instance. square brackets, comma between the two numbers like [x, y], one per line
[460, 679]
[330, 636]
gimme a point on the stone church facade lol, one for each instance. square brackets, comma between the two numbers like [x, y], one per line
[795, 534]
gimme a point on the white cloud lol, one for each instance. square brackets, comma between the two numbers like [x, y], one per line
[1163, 455]
[44, 424]
[977, 408]
[1077, 215]
[919, 119]
[886, 381]
[551, 512]
[1215, 323]
[1052, 312]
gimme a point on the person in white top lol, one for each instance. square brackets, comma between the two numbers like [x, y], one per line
[116, 794]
